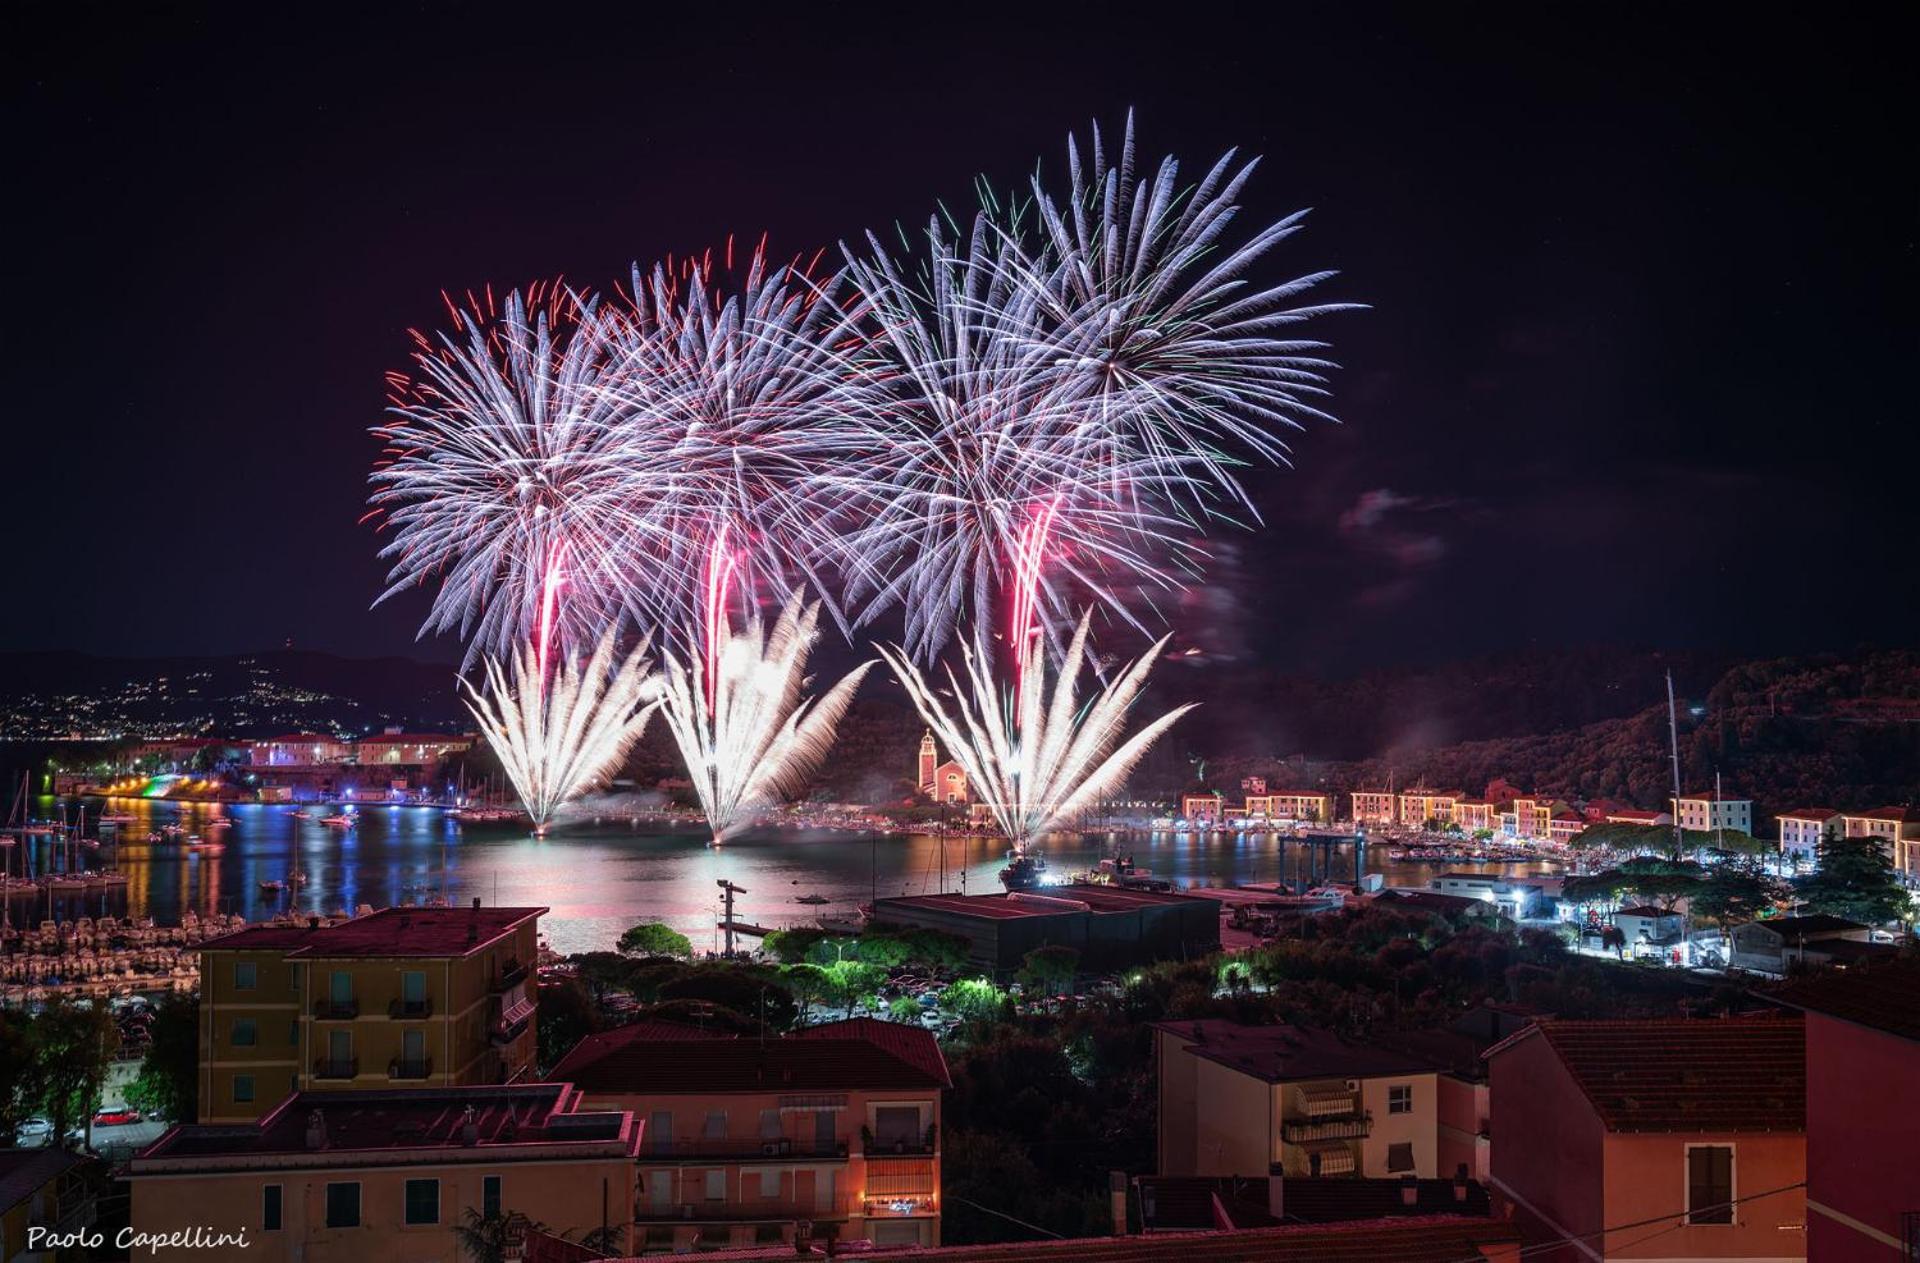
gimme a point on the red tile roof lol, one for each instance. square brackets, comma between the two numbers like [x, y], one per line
[397, 932]
[862, 1055]
[1811, 813]
[1634, 813]
[1430, 1239]
[1678, 1075]
[1885, 997]
[1285, 1054]
[1897, 815]
[1187, 1202]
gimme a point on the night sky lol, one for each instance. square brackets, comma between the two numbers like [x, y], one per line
[1642, 296]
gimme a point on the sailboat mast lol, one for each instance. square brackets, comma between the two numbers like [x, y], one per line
[1673, 743]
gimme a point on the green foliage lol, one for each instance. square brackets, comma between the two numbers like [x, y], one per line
[168, 1084]
[1048, 969]
[973, 999]
[904, 1009]
[849, 982]
[1733, 893]
[565, 1016]
[16, 1058]
[73, 1045]
[1855, 879]
[756, 993]
[652, 938]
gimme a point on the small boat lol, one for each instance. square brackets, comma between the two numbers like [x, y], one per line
[342, 821]
[303, 814]
[272, 887]
[1025, 870]
[812, 899]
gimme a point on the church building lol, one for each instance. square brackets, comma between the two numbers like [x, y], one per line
[942, 782]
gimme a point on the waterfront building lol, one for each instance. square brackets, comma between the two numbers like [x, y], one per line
[1610, 1132]
[1513, 898]
[837, 1124]
[1250, 1100]
[1112, 927]
[1292, 804]
[1775, 946]
[300, 750]
[1419, 807]
[398, 749]
[1565, 824]
[943, 782]
[1803, 829]
[1707, 811]
[1533, 816]
[1651, 927]
[1863, 1095]
[1373, 806]
[1898, 827]
[347, 1177]
[1208, 805]
[416, 997]
[1633, 815]
[1475, 815]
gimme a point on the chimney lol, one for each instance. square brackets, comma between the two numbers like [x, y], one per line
[1117, 1201]
[316, 1130]
[1460, 1183]
[1409, 1191]
[476, 903]
[469, 1127]
[1276, 1192]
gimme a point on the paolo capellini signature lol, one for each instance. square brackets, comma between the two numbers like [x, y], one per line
[196, 1238]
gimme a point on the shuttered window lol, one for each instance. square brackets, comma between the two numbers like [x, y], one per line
[1710, 1184]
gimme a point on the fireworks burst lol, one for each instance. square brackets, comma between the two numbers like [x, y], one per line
[556, 736]
[1036, 760]
[757, 739]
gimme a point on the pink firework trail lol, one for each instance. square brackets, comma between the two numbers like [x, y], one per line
[549, 604]
[1029, 559]
[721, 565]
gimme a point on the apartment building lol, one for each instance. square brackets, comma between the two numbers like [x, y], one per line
[1198, 807]
[1803, 829]
[1633, 815]
[1475, 815]
[835, 1125]
[1291, 805]
[1249, 1100]
[1898, 827]
[1708, 811]
[415, 997]
[353, 1176]
[1611, 1132]
[1417, 807]
[1373, 806]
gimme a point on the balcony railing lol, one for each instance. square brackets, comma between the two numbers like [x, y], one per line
[753, 1210]
[1299, 1133]
[400, 1068]
[503, 1033]
[332, 1068]
[410, 1008]
[735, 1148]
[510, 973]
[881, 1147]
[336, 1010]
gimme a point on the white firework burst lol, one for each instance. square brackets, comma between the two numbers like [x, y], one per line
[1036, 758]
[559, 736]
[747, 735]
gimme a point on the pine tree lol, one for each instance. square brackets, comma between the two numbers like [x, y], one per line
[1855, 879]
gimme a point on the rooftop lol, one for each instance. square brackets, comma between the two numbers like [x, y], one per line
[1810, 813]
[1428, 901]
[1895, 815]
[1050, 901]
[389, 932]
[1814, 923]
[389, 1125]
[1707, 795]
[1284, 1054]
[1645, 910]
[23, 1172]
[1884, 997]
[657, 1058]
[1172, 1203]
[1679, 1075]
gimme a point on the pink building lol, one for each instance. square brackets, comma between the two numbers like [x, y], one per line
[1863, 1097]
[836, 1124]
[1898, 827]
[299, 749]
[1653, 1139]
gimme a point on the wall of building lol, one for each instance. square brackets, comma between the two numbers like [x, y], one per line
[1419, 1127]
[1863, 1100]
[1548, 1144]
[1233, 1122]
[1646, 1177]
[272, 1062]
[1176, 1104]
[1460, 1123]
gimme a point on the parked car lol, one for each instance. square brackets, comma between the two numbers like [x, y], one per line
[33, 1131]
[116, 1117]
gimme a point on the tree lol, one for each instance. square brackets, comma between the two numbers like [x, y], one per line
[1047, 969]
[168, 1083]
[493, 1238]
[651, 938]
[1616, 938]
[73, 1046]
[973, 999]
[1855, 879]
[1732, 893]
[16, 1061]
[905, 1009]
[564, 1016]
[852, 981]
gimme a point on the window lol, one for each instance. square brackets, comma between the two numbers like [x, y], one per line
[413, 990]
[246, 975]
[490, 1197]
[1400, 1099]
[716, 1186]
[242, 1088]
[769, 1124]
[896, 1125]
[340, 987]
[270, 1208]
[343, 1205]
[423, 1201]
[245, 1033]
[823, 1136]
[660, 1131]
[716, 1128]
[1709, 1184]
[1399, 1158]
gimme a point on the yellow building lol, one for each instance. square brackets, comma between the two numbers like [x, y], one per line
[349, 1177]
[1417, 806]
[1292, 805]
[1373, 806]
[837, 1125]
[400, 997]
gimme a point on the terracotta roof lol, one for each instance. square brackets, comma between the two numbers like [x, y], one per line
[260, 938]
[839, 1056]
[1634, 813]
[1678, 1075]
[1884, 997]
[1707, 795]
[1428, 901]
[24, 1172]
[1430, 1239]
[417, 932]
[1810, 813]
[1897, 815]
[1815, 923]
[1284, 1054]
[425, 738]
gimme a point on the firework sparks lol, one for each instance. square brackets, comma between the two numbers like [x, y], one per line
[1036, 760]
[556, 736]
[758, 739]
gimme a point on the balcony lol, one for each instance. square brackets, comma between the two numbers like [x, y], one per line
[510, 974]
[1300, 1132]
[505, 1031]
[410, 1008]
[336, 1010]
[736, 1149]
[400, 1068]
[332, 1068]
[755, 1211]
[918, 1147]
